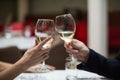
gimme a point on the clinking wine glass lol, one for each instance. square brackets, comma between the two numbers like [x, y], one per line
[65, 26]
[43, 29]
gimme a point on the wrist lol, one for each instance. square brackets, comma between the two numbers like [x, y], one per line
[23, 64]
[85, 56]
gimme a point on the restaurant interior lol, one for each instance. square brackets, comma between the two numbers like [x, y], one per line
[18, 19]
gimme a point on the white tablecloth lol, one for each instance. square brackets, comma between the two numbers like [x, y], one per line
[21, 42]
[55, 75]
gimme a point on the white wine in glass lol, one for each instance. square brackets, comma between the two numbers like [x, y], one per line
[66, 35]
[43, 29]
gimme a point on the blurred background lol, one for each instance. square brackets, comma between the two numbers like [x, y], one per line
[19, 17]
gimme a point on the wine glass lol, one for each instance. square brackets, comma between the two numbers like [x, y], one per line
[43, 29]
[65, 26]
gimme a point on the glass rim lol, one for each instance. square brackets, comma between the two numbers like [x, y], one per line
[46, 20]
[64, 15]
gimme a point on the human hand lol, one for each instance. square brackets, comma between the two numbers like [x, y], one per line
[78, 49]
[36, 55]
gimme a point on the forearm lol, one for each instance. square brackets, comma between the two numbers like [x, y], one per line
[4, 65]
[11, 72]
[94, 62]
[101, 65]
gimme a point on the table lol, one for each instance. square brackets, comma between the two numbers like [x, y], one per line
[58, 75]
[21, 43]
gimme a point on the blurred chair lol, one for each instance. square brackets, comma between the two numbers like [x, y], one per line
[10, 54]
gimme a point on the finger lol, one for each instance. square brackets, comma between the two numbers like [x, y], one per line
[36, 42]
[48, 43]
[44, 57]
[68, 51]
[74, 54]
[51, 68]
[43, 52]
[72, 51]
[67, 46]
[40, 45]
[40, 58]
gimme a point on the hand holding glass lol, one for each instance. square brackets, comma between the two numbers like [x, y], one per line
[43, 29]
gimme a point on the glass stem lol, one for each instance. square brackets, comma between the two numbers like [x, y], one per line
[73, 59]
[43, 64]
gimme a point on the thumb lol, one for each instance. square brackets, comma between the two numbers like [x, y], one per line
[40, 45]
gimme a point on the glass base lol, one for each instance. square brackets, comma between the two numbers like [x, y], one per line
[43, 70]
[71, 78]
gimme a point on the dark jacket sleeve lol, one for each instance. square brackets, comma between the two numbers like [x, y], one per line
[102, 66]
